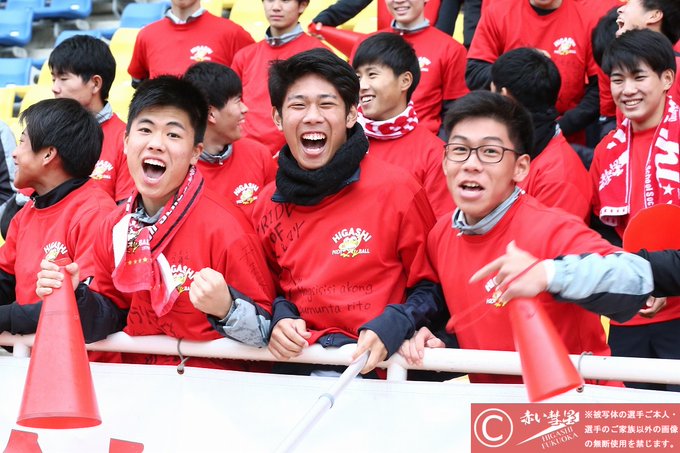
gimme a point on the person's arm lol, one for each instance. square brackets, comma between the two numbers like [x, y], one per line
[340, 12]
[245, 321]
[665, 270]
[8, 284]
[478, 74]
[586, 112]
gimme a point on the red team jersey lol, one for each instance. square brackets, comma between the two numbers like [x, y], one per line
[557, 178]
[251, 64]
[545, 233]
[111, 172]
[442, 73]
[564, 34]
[239, 179]
[67, 229]
[164, 47]
[419, 152]
[342, 261]
[215, 236]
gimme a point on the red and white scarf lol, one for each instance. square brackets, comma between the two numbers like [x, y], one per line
[661, 173]
[392, 128]
[138, 249]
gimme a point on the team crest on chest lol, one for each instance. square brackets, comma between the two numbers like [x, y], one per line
[101, 170]
[246, 193]
[565, 46]
[424, 64]
[55, 250]
[201, 53]
[182, 276]
[351, 242]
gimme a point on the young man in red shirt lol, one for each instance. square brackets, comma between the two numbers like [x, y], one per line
[636, 167]
[560, 28]
[557, 176]
[486, 157]
[389, 73]
[347, 270]
[188, 34]
[441, 59]
[173, 260]
[283, 39]
[57, 151]
[234, 167]
[83, 69]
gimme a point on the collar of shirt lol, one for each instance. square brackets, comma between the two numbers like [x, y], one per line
[104, 114]
[405, 31]
[217, 158]
[142, 216]
[487, 223]
[177, 21]
[276, 41]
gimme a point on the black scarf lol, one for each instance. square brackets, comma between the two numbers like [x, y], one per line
[309, 187]
[544, 130]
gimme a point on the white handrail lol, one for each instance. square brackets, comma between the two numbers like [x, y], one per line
[661, 371]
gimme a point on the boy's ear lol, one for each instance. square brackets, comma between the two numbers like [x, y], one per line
[97, 83]
[302, 6]
[522, 166]
[49, 156]
[667, 77]
[211, 115]
[405, 80]
[351, 117]
[277, 119]
[655, 17]
[196, 153]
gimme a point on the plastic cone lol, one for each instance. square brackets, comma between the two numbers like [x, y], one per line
[22, 442]
[546, 367]
[59, 392]
[125, 446]
[343, 40]
[654, 228]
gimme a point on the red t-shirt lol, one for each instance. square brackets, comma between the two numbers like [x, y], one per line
[545, 233]
[385, 18]
[239, 179]
[252, 64]
[557, 178]
[111, 172]
[564, 34]
[67, 229]
[215, 236]
[164, 47]
[342, 261]
[421, 153]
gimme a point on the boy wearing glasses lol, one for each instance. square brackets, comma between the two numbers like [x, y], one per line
[485, 159]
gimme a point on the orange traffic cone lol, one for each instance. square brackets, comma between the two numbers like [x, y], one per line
[546, 367]
[343, 40]
[22, 442]
[125, 446]
[59, 393]
[654, 228]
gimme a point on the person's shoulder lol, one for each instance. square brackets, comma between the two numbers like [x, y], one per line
[214, 215]
[545, 218]
[113, 125]
[387, 178]
[252, 148]
[92, 195]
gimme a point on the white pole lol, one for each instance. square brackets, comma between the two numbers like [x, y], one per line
[325, 402]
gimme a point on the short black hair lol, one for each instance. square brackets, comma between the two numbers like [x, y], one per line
[603, 34]
[670, 24]
[171, 91]
[485, 104]
[321, 62]
[531, 78]
[219, 83]
[85, 56]
[393, 51]
[70, 128]
[634, 47]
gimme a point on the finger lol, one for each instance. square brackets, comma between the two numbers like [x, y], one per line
[48, 265]
[42, 292]
[493, 266]
[413, 351]
[290, 340]
[435, 342]
[373, 359]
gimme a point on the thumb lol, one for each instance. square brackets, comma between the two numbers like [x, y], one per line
[301, 328]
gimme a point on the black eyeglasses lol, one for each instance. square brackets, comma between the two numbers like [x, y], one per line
[488, 154]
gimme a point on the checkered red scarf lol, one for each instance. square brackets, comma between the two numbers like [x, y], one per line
[392, 128]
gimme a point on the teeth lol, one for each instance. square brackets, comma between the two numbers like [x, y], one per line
[631, 103]
[471, 185]
[314, 136]
[365, 99]
[155, 162]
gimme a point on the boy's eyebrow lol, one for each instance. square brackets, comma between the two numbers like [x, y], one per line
[169, 123]
[488, 137]
[302, 96]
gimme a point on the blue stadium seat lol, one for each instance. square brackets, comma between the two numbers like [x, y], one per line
[65, 9]
[137, 15]
[15, 71]
[16, 27]
[70, 33]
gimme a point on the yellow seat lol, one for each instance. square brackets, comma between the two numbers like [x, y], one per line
[314, 8]
[119, 97]
[6, 103]
[15, 127]
[45, 76]
[213, 6]
[249, 14]
[458, 31]
[367, 24]
[228, 4]
[34, 94]
[367, 16]
[122, 45]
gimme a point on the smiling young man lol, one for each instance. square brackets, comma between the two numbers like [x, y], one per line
[283, 39]
[236, 168]
[486, 157]
[636, 167]
[83, 68]
[389, 73]
[441, 59]
[173, 260]
[347, 269]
